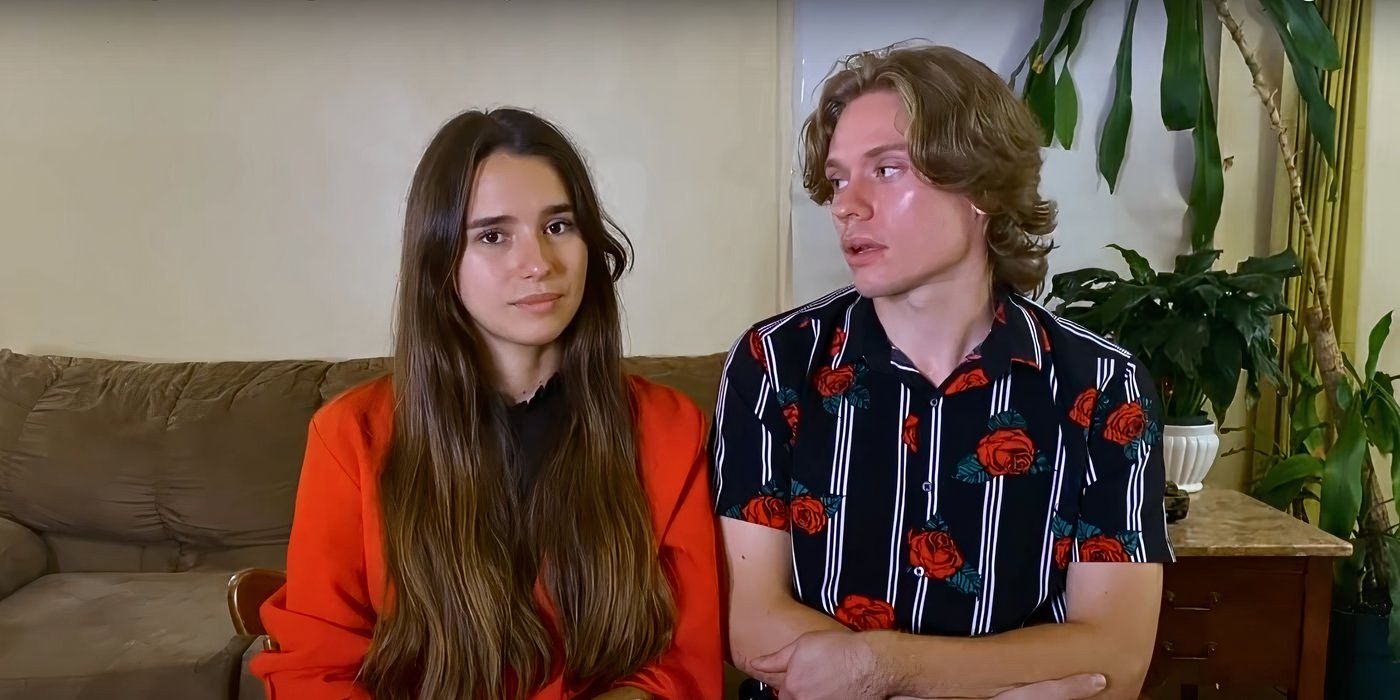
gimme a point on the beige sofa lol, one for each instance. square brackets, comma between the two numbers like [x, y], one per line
[129, 492]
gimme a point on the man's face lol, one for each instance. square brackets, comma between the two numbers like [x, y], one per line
[898, 232]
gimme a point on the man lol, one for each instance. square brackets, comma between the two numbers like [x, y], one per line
[919, 473]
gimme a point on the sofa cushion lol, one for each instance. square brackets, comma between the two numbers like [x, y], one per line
[119, 635]
[132, 466]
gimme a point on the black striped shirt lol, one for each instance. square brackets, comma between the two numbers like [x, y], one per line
[950, 510]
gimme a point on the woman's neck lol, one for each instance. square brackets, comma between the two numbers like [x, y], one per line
[520, 371]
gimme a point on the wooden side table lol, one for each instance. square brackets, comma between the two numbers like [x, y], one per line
[1246, 606]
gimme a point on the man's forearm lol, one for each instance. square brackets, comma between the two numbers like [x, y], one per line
[764, 629]
[975, 667]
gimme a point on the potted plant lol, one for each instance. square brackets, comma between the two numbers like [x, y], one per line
[1196, 329]
[1324, 465]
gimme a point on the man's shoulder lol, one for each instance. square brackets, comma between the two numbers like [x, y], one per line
[1072, 345]
[798, 320]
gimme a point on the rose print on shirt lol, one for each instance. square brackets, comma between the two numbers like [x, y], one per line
[861, 613]
[934, 554]
[838, 341]
[769, 507]
[1130, 424]
[1082, 413]
[755, 342]
[811, 511]
[970, 379]
[843, 383]
[1094, 544]
[792, 413]
[1005, 451]
[910, 435]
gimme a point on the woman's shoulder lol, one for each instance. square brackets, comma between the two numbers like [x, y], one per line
[363, 414]
[664, 408]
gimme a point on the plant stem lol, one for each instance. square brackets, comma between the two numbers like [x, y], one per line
[1321, 329]
[1269, 97]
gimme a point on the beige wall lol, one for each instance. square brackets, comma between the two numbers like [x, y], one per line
[1246, 214]
[1380, 252]
[201, 180]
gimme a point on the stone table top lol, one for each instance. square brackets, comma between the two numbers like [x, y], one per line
[1226, 523]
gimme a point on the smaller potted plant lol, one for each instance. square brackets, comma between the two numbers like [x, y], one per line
[1196, 329]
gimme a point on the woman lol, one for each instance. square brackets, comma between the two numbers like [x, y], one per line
[507, 514]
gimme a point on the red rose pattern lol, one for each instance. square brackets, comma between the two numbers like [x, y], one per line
[791, 413]
[1126, 423]
[838, 339]
[767, 510]
[1083, 411]
[1006, 451]
[756, 349]
[834, 382]
[808, 514]
[861, 613]
[1064, 547]
[1102, 548]
[910, 435]
[970, 379]
[936, 552]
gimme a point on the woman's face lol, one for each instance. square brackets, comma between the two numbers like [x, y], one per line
[523, 268]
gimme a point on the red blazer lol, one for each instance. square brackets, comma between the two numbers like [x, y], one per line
[322, 619]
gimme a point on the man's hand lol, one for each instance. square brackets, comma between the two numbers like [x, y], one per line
[825, 666]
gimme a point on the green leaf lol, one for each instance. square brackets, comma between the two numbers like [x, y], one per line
[1304, 421]
[1066, 109]
[1282, 264]
[1040, 97]
[1220, 377]
[1309, 31]
[1051, 19]
[1197, 262]
[1114, 140]
[1074, 29]
[1379, 333]
[1138, 266]
[1184, 346]
[1322, 118]
[1288, 475]
[1182, 70]
[1341, 478]
[1208, 182]
[1118, 306]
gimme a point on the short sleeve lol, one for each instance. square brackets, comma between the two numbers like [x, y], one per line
[1122, 516]
[750, 445]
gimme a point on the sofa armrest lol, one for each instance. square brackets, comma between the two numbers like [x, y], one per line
[23, 556]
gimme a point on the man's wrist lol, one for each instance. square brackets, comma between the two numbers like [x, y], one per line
[887, 675]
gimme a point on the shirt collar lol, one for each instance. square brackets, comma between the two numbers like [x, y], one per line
[1016, 336]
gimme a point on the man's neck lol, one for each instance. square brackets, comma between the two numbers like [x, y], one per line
[519, 371]
[938, 325]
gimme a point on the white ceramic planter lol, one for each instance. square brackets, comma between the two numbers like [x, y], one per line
[1189, 451]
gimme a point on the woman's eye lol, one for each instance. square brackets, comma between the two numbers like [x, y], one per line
[887, 171]
[559, 227]
[489, 237]
[836, 182]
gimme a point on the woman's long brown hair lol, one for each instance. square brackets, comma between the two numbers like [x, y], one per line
[464, 547]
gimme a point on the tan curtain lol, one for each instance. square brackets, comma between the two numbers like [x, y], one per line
[1334, 202]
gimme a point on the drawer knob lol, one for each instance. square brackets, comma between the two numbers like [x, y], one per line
[1214, 599]
[1169, 648]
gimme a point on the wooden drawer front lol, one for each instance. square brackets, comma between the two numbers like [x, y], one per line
[1231, 621]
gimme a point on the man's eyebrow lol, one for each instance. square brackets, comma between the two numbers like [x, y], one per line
[878, 150]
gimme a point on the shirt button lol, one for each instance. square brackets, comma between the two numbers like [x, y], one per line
[918, 571]
[933, 402]
[928, 486]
